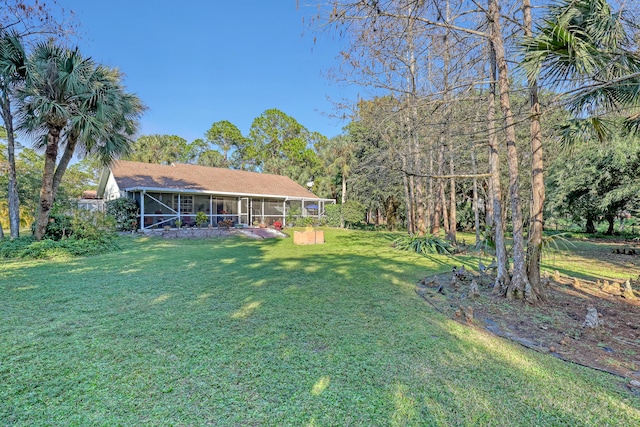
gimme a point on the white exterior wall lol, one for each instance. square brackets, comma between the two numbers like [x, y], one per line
[111, 189]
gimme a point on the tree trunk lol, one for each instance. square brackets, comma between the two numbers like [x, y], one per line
[417, 183]
[519, 286]
[12, 195]
[591, 226]
[430, 191]
[445, 210]
[534, 243]
[495, 190]
[437, 211]
[440, 209]
[453, 225]
[46, 192]
[343, 200]
[611, 219]
[407, 199]
[476, 208]
[64, 163]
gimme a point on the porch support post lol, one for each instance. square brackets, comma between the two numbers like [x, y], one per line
[179, 209]
[210, 209]
[142, 209]
[284, 212]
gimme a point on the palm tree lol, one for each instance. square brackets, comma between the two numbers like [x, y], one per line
[12, 74]
[106, 120]
[68, 98]
[585, 47]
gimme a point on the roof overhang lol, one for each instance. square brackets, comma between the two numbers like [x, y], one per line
[222, 193]
[104, 177]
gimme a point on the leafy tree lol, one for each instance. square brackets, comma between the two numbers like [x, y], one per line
[596, 182]
[227, 137]
[339, 159]
[163, 149]
[29, 179]
[71, 99]
[280, 145]
[376, 179]
[212, 158]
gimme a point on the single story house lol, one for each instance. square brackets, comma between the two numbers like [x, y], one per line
[168, 193]
[90, 201]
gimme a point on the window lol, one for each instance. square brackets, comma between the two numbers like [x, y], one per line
[186, 204]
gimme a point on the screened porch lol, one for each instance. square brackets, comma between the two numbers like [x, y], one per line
[164, 209]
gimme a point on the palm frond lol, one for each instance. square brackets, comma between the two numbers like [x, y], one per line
[427, 244]
[556, 243]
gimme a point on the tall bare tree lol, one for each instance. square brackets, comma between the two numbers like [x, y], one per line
[376, 25]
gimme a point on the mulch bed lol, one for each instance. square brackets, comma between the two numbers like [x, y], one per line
[554, 327]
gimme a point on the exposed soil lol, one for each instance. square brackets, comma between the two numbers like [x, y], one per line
[556, 326]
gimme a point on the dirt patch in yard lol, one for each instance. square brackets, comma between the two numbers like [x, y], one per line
[555, 327]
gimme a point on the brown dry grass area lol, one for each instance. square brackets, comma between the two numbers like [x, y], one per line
[553, 327]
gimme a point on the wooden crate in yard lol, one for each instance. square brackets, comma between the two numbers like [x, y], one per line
[308, 237]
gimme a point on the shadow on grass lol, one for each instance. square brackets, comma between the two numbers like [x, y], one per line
[231, 331]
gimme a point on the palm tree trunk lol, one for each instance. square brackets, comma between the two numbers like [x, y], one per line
[519, 286]
[64, 162]
[46, 192]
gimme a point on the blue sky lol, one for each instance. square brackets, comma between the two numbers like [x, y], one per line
[197, 62]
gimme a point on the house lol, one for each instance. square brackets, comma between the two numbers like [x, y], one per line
[90, 201]
[168, 193]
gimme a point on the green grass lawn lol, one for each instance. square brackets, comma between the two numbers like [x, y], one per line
[241, 332]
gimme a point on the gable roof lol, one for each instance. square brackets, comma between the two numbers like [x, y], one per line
[181, 177]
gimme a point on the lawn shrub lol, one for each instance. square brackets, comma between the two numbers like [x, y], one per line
[58, 228]
[80, 224]
[28, 248]
[92, 225]
[332, 213]
[352, 212]
[125, 213]
[427, 244]
[13, 248]
[82, 233]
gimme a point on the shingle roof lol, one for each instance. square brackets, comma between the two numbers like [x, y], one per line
[130, 175]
